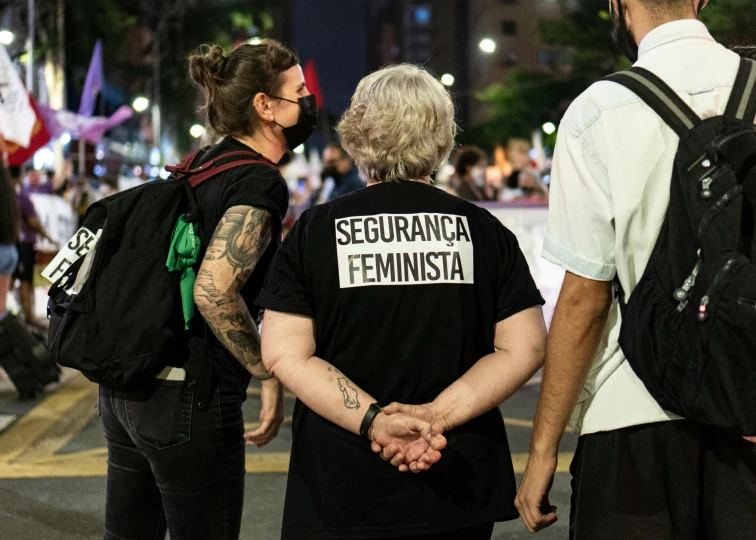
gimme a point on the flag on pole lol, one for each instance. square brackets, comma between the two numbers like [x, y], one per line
[40, 136]
[91, 129]
[17, 117]
[93, 85]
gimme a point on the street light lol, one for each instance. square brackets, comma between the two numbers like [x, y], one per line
[141, 104]
[196, 131]
[447, 79]
[549, 128]
[6, 37]
[487, 45]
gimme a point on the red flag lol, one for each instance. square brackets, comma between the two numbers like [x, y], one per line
[18, 155]
[311, 80]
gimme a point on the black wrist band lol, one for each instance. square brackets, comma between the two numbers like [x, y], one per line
[370, 415]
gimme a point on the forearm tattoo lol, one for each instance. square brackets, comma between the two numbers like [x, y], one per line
[348, 393]
[239, 241]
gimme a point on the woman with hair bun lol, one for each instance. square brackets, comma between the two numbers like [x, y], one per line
[172, 467]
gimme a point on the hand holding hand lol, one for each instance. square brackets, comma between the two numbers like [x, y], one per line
[408, 442]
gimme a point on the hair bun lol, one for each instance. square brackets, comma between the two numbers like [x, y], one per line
[206, 65]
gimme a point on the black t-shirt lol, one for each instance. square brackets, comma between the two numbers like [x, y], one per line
[260, 186]
[405, 283]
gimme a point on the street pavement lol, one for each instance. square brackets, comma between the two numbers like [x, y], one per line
[52, 467]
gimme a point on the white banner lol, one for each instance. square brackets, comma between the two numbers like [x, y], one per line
[529, 224]
[58, 218]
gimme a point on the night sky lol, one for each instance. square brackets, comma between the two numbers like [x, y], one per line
[334, 34]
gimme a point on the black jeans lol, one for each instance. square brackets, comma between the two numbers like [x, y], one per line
[173, 467]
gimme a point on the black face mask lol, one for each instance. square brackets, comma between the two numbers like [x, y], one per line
[621, 34]
[331, 172]
[308, 120]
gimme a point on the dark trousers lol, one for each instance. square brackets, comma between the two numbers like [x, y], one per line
[173, 467]
[666, 481]
[478, 532]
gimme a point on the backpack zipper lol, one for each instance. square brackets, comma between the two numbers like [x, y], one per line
[717, 207]
[681, 294]
[747, 302]
[706, 192]
[703, 309]
[732, 136]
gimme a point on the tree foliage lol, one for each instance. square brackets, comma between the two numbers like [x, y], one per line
[527, 99]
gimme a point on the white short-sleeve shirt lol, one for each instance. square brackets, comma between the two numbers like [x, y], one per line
[610, 191]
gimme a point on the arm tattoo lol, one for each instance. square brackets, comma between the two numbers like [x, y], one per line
[237, 318]
[349, 394]
[205, 282]
[244, 231]
[237, 244]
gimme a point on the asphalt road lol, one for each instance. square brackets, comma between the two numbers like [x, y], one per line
[52, 465]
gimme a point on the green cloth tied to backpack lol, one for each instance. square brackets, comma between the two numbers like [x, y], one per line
[182, 256]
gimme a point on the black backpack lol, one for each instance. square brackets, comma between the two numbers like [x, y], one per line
[124, 323]
[689, 327]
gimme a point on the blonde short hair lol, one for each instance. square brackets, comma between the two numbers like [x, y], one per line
[400, 125]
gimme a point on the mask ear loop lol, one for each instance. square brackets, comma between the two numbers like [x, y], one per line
[301, 110]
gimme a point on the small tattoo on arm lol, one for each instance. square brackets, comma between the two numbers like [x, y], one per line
[349, 394]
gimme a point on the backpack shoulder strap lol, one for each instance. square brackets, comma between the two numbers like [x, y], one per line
[184, 167]
[660, 97]
[214, 167]
[742, 104]
[223, 163]
[193, 177]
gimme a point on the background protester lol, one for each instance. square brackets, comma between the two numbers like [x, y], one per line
[30, 228]
[188, 476]
[470, 175]
[400, 292]
[531, 186]
[639, 471]
[9, 223]
[338, 165]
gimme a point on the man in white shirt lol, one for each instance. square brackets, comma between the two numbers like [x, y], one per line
[639, 472]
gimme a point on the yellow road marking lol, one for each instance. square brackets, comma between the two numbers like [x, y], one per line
[60, 434]
[519, 461]
[27, 449]
[94, 463]
[518, 422]
[526, 423]
[34, 425]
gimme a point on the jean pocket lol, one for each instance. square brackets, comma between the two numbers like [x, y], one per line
[161, 414]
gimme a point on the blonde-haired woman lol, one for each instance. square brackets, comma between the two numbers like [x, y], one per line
[400, 292]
